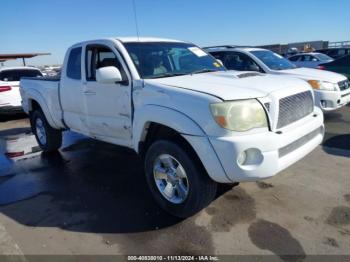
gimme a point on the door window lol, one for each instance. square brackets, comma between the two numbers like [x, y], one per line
[219, 55]
[306, 58]
[333, 53]
[341, 52]
[98, 57]
[237, 61]
[294, 58]
[74, 64]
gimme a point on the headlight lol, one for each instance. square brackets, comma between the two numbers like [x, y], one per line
[239, 115]
[321, 85]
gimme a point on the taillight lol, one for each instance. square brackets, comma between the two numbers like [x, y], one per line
[5, 88]
[14, 154]
[321, 67]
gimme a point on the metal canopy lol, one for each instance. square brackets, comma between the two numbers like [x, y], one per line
[5, 57]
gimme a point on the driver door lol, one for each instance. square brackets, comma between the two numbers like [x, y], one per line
[107, 106]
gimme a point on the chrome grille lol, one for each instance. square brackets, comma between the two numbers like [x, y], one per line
[295, 107]
[343, 85]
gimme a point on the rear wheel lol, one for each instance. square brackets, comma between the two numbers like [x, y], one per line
[177, 182]
[48, 138]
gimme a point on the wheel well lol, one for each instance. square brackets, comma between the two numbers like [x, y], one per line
[156, 131]
[34, 105]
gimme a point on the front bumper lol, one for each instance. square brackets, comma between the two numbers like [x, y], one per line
[277, 151]
[331, 100]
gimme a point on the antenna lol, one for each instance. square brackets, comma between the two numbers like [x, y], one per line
[136, 23]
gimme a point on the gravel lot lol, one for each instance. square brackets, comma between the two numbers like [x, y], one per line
[92, 198]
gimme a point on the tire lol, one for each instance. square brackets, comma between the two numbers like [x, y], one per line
[53, 137]
[201, 190]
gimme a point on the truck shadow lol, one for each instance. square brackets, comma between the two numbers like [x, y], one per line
[10, 117]
[337, 144]
[89, 186]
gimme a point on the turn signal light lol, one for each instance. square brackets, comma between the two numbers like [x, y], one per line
[314, 83]
[5, 88]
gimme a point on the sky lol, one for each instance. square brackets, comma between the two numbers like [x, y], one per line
[52, 26]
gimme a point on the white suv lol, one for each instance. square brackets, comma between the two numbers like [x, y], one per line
[10, 98]
[332, 90]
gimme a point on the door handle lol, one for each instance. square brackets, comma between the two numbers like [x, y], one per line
[89, 93]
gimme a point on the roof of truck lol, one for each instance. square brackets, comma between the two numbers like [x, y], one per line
[145, 39]
[129, 40]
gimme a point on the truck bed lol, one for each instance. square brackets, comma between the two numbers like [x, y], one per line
[44, 78]
[45, 90]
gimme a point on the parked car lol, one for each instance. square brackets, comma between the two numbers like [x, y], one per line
[335, 53]
[341, 66]
[291, 51]
[328, 86]
[193, 123]
[10, 98]
[310, 60]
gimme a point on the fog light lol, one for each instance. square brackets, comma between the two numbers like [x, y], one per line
[250, 158]
[326, 103]
[242, 158]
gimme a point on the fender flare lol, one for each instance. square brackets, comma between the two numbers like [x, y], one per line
[190, 131]
[36, 96]
[166, 116]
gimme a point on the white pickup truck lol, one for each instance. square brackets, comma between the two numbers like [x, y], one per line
[193, 123]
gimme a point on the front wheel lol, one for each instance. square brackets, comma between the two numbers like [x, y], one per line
[48, 138]
[178, 183]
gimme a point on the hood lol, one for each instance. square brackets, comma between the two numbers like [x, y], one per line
[314, 74]
[231, 85]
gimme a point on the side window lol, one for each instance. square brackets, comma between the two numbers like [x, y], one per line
[294, 58]
[341, 52]
[219, 55]
[231, 60]
[8, 75]
[74, 64]
[306, 58]
[333, 53]
[98, 57]
[240, 62]
[314, 59]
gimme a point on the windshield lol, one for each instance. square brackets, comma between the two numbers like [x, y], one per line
[323, 57]
[166, 59]
[272, 60]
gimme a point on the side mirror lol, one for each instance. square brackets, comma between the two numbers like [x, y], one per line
[220, 62]
[254, 67]
[108, 75]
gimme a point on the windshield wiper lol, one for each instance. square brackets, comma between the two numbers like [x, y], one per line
[168, 75]
[204, 70]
